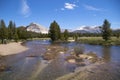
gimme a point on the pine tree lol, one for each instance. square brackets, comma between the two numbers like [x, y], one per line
[62, 37]
[15, 34]
[117, 34]
[76, 36]
[3, 31]
[22, 33]
[54, 31]
[106, 31]
[66, 34]
[10, 30]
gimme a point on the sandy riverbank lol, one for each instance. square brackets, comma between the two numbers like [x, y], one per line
[11, 48]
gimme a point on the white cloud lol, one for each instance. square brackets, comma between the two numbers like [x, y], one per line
[25, 10]
[69, 6]
[89, 7]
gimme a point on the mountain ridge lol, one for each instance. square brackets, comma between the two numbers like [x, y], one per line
[88, 29]
[35, 27]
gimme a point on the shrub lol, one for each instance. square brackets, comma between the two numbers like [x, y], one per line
[79, 50]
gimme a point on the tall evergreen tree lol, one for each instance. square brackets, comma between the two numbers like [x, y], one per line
[14, 28]
[106, 31]
[15, 34]
[66, 34]
[62, 37]
[117, 34]
[3, 31]
[76, 36]
[10, 30]
[22, 33]
[54, 31]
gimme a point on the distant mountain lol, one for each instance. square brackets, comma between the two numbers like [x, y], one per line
[69, 30]
[116, 30]
[34, 27]
[88, 29]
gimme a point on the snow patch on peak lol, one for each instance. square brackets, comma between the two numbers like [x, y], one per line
[84, 27]
[34, 27]
[88, 29]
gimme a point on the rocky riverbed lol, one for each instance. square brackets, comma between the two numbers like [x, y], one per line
[89, 66]
[44, 61]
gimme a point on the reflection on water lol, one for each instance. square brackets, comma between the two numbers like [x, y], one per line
[106, 53]
[55, 69]
[29, 65]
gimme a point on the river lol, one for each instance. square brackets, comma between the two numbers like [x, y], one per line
[29, 65]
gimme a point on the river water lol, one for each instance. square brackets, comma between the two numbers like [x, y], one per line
[29, 65]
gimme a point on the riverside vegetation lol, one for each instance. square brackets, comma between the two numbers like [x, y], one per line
[99, 41]
[12, 33]
[106, 37]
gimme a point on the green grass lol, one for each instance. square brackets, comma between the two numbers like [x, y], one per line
[39, 39]
[99, 41]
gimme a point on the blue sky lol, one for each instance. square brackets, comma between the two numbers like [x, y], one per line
[70, 14]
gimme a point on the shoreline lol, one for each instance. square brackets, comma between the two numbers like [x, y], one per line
[99, 41]
[11, 48]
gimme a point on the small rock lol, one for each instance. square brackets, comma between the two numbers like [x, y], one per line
[89, 57]
[48, 49]
[61, 52]
[83, 56]
[3, 67]
[71, 61]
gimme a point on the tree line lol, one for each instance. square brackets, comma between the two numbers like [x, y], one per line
[13, 33]
[55, 32]
[106, 32]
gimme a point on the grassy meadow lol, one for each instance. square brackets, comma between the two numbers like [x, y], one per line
[99, 41]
